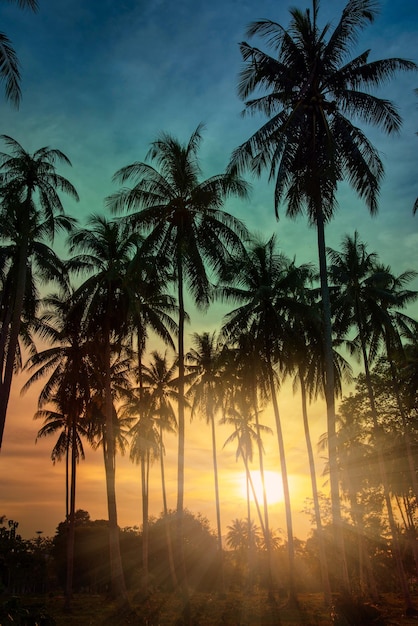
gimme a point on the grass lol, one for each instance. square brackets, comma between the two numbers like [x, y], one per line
[235, 609]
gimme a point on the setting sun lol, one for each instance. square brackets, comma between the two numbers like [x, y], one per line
[273, 482]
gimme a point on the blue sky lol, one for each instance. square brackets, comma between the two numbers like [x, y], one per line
[101, 79]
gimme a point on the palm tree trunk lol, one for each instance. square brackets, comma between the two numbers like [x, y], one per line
[181, 444]
[330, 400]
[116, 570]
[144, 520]
[283, 468]
[165, 511]
[322, 554]
[10, 340]
[71, 522]
[267, 535]
[217, 504]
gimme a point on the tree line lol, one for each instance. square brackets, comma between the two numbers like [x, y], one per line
[171, 238]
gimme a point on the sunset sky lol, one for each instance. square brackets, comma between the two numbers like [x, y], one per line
[100, 80]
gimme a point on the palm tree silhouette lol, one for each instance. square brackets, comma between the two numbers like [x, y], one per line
[106, 250]
[310, 89]
[9, 64]
[206, 388]
[185, 224]
[32, 206]
[66, 364]
[362, 288]
[264, 283]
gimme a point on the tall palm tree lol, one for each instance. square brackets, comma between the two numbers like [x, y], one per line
[184, 222]
[362, 289]
[204, 366]
[29, 186]
[160, 383]
[264, 284]
[66, 364]
[247, 430]
[106, 249]
[310, 91]
[144, 449]
[9, 64]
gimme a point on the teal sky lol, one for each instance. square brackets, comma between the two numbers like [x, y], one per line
[101, 79]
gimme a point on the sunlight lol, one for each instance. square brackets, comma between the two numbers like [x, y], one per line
[274, 487]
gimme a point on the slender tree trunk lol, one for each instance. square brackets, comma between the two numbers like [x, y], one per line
[267, 535]
[145, 533]
[217, 504]
[166, 521]
[330, 401]
[181, 446]
[285, 481]
[322, 554]
[10, 341]
[71, 522]
[118, 587]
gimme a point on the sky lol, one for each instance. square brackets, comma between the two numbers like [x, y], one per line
[100, 81]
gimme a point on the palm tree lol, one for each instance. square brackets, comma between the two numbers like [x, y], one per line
[310, 89]
[9, 64]
[144, 449]
[24, 176]
[160, 383]
[185, 223]
[241, 416]
[106, 249]
[161, 386]
[362, 289]
[264, 283]
[66, 364]
[204, 365]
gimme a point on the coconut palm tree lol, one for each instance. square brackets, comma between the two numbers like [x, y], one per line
[264, 284]
[66, 365]
[106, 249]
[30, 203]
[362, 289]
[9, 64]
[144, 449]
[310, 89]
[160, 384]
[205, 367]
[246, 431]
[184, 222]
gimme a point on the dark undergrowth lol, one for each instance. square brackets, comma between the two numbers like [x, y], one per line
[233, 609]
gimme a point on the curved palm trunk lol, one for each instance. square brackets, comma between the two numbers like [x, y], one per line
[217, 504]
[145, 528]
[283, 468]
[322, 554]
[71, 522]
[181, 445]
[330, 401]
[267, 535]
[382, 470]
[116, 570]
[165, 511]
[10, 336]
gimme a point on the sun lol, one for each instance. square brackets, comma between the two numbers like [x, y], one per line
[273, 482]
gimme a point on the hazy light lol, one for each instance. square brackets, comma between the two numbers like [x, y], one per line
[273, 482]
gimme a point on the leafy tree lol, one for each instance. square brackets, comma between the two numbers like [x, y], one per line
[309, 90]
